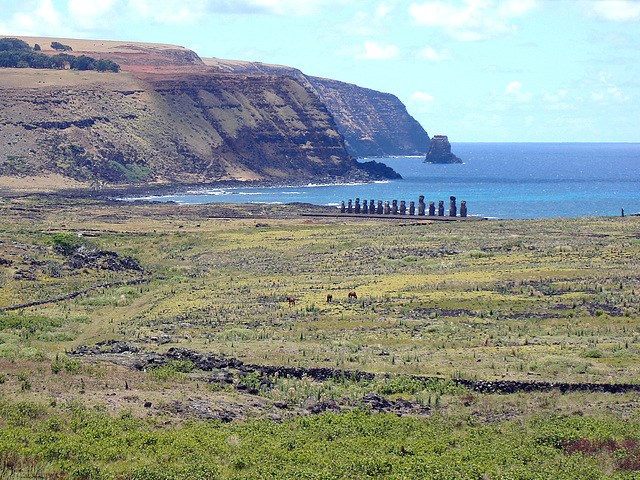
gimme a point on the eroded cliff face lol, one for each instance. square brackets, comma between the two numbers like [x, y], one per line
[180, 127]
[260, 125]
[374, 124]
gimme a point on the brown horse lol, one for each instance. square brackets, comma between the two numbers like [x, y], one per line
[329, 297]
[353, 295]
[291, 300]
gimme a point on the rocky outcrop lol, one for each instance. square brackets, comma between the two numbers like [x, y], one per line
[374, 124]
[440, 151]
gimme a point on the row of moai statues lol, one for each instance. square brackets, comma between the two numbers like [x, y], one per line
[394, 209]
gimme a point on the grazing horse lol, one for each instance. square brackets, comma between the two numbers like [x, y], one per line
[291, 300]
[353, 295]
[329, 297]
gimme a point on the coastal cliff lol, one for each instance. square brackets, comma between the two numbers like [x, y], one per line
[374, 124]
[166, 119]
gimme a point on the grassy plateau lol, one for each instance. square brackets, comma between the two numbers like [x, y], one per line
[96, 295]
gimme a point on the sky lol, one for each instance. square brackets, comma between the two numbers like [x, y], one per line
[475, 70]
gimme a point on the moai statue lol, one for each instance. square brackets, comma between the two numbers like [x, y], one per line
[357, 207]
[394, 207]
[421, 205]
[441, 208]
[403, 207]
[349, 207]
[412, 208]
[379, 209]
[452, 206]
[342, 207]
[372, 207]
[463, 208]
[365, 208]
[387, 210]
[432, 209]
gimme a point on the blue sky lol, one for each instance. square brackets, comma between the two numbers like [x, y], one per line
[475, 70]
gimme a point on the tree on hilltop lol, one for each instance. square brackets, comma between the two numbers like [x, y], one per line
[15, 53]
[103, 65]
[62, 60]
[60, 47]
[12, 44]
[83, 63]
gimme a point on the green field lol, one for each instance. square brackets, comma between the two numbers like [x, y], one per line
[550, 300]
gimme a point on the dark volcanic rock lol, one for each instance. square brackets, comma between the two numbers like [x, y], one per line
[379, 170]
[324, 406]
[100, 259]
[440, 151]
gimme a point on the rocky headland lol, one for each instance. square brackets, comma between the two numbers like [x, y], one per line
[440, 151]
[169, 119]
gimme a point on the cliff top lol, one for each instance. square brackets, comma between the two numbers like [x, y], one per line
[123, 52]
[99, 46]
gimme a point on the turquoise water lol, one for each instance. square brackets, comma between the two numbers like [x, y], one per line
[498, 180]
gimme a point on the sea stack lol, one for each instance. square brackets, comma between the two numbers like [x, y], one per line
[440, 151]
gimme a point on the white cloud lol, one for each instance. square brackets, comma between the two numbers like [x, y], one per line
[471, 20]
[605, 90]
[422, 97]
[376, 51]
[615, 10]
[515, 8]
[610, 95]
[179, 12]
[38, 18]
[90, 14]
[274, 7]
[287, 7]
[368, 22]
[556, 97]
[514, 90]
[383, 10]
[429, 53]
[190, 11]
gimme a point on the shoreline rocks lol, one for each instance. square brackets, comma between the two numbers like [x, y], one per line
[440, 151]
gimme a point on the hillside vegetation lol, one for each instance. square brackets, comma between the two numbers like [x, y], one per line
[157, 341]
[16, 53]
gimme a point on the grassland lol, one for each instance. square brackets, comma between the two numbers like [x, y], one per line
[553, 300]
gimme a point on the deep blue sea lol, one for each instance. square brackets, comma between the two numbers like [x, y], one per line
[497, 180]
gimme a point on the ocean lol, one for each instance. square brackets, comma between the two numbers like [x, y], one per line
[497, 180]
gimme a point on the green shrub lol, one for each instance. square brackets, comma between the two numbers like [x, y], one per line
[477, 254]
[593, 353]
[67, 243]
[73, 366]
[86, 472]
[174, 370]
[21, 413]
